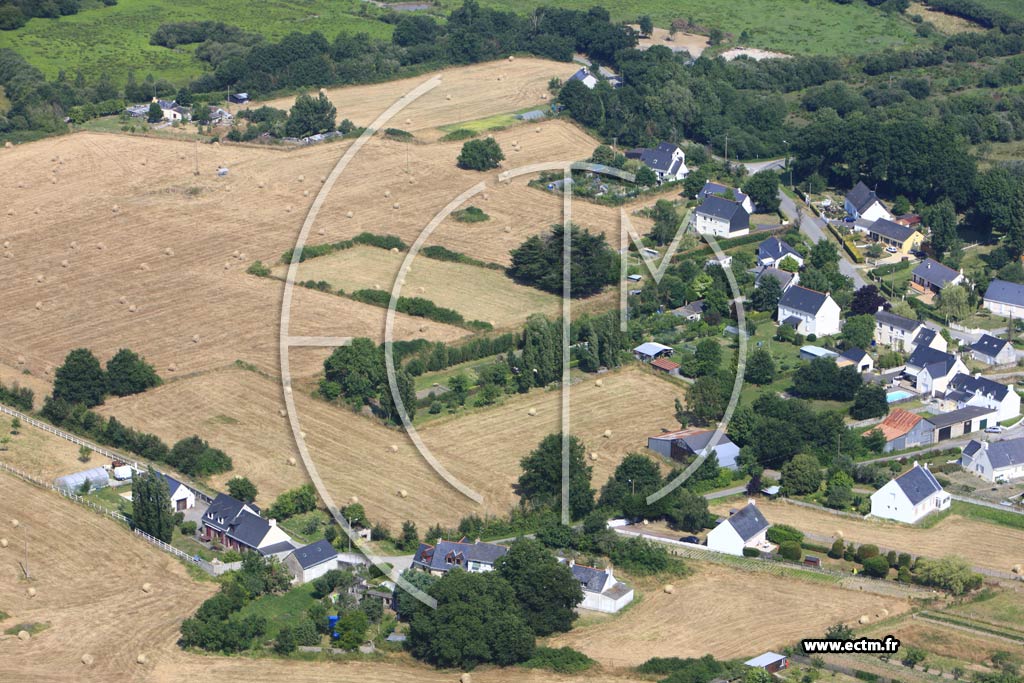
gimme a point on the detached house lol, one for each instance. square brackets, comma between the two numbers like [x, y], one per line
[999, 461]
[772, 251]
[601, 591]
[993, 351]
[711, 189]
[966, 390]
[585, 77]
[808, 311]
[904, 334]
[721, 218]
[182, 497]
[238, 526]
[1005, 298]
[784, 278]
[931, 370]
[904, 429]
[745, 528]
[932, 276]
[898, 239]
[861, 202]
[442, 557]
[667, 161]
[910, 497]
[648, 351]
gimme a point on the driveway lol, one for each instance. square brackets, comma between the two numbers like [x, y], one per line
[814, 227]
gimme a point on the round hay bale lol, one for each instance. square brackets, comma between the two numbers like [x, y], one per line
[412, 181]
[23, 635]
[227, 265]
[291, 462]
[447, 97]
[669, 588]
[10, 212]
[544, 96]
[387, 194]
[8, 254]
[1018, 569]
[64, 263]
[305, 193]
[241, 257]
[88, 659]
[322, 231]
[508, 228]
[172, 367]
[646, 522]
[53, 180]
[40, 278]
[147, 587]
[143, 266]
[323, 179]
[101, 246]
[376, 286]
[31, 592]
[282, 412]
[599, 383]
[537, 130]
[465, 678]
[423, 328]
[424, 289]
[408, 121]
[863, 619]
[235, 253]
[838, 534]
[195, 338]
[143, 162]
[515, 143]
[288, 209]
[122, 300]
[141, 659]
[303, 434]
[607, 434]
[531, 412]
[3, 543]
[39, 305]
[396, 205]
[21, 360]
[115, 208]
[511, 58]
[168, 252]
[302, 178]
[883, 612]
[394, 250]
[8, 145]
[402, 493]
[348, 214]
[15, 523]
[593, 455]
[393, 448]
[261, 184]
[133, 308]
[485, 196]
[7, 244]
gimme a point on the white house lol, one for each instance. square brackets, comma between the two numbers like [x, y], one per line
[1005, 298]
[602, 592]
[862, 202]
[999, 461]
[772, 251]
[312, 561]
[172, 111]
[931, 370]
[905, 334]
[993, 350]
[965, 390]
[745, 528]
[808, 311]
[182, 497]
[443, 556]
[668, 161]
[238, 525]
[721, 218]
[857, 358]
[739, 197]
[910, 497]
[585, 77]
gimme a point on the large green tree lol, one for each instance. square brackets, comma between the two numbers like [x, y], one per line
[635, 478]
[151, 505]
[869, 401]
[767, 294]
[942, 220]
[763, 189]
[480, 155]
[540, 484]
[80, 379]
[546, 589]
[801, 475]
[129, 373]
[538, 262]
[310, 116]
[760, 367]
[858, 331]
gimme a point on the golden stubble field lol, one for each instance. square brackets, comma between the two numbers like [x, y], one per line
[40, 454]
[238, 411]
[982, 543]
[724, 612]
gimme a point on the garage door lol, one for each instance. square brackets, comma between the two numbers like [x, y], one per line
[944, 433]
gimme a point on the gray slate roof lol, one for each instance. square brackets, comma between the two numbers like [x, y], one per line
[274, 549]
[955, 416]
[803, 299]
[927, 357]
[249, 529]
[989, 345]
[451, 554]
[1009, 453]
[934, 272]
[748, 522]
[711, 188]
[975, 385]
[783, 277]
[854, 354]
[1005, 292]
[918, 483]
[723, 209]
[861, 197]
[315, 553]
[792, 321]
[777, 249]
[893, 231]
[699, 441]
[657, 158]
[925, 337]
[590, 578]
[222, 512]
[896, 321]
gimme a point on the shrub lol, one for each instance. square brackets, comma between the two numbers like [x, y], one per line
[751, 552]
[876, 566]
[480, 155]
[780, 533]
[791, 550]
[837, 549]
[458, 135]
[563, 660]
[470, 214]
[188, 528]
[865, 552]
[258, 269]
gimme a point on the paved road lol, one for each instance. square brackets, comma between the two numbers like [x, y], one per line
[814, 227]
[769, 164]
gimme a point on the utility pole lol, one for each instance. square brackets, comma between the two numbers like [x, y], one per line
[196, 170]
[727, 149]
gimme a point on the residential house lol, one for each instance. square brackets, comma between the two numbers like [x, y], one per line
[602, 592]
[239, 98]
[667, 161]
[808, 311]
[998, 461]
[929, 338]
[772, 251]
[721, 218]
[905, 334]
[857, 358]
[1005, 298]
[930, 370]
[443, 556]
[910, 497]
[648, 351]
[172, 111]
[904, 429]
[896, 238]
[739, 197]
[745, 528]
[238, 526]
[932, 276]
[966, 390]
[691, 311]
[585, 77]
[784, 278]
[182, 497]
[771, 662]
[993, 350]
[312, 561]
[683, 445]
[218, 115]
[862, 202]
[137, 111]
[960, 422]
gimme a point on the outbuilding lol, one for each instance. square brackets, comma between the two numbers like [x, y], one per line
[97, 477]
[769, 661]
[312, 561]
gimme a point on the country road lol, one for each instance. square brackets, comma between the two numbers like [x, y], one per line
[815, 228]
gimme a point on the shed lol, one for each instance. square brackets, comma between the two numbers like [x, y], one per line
[665, 365]
[97, 478]
[812, 352]
[648, 351]
[238, 98]
[769, 661]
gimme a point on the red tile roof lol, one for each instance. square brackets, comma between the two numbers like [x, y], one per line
[665, 364]
[898, 423]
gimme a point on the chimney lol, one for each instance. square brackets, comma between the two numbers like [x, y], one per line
[572, 562]
[476, 540]
[917, 464]
[272, 522]
[751, 501]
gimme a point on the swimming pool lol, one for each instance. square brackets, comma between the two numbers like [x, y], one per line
[897, 395]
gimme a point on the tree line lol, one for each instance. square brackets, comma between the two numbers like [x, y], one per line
[15, 13]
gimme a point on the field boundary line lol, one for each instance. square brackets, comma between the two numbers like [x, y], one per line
[985, 503]
[984, 633]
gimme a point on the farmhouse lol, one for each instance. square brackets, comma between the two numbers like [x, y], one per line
[857, 358]
[442, 557]
[930, 370]
[895, 237]
[905, 334]
[910, 497]
[172, 111]
[182, 497]
[691, 311]
[601, 591]
[684, 444]
[999, 461]
[97, 477]
[666, 160]
[312, 561]
[585, 77]
[711, 189]
[862, 202]
[238, 526]
[721, 218]
[904, 429]
[648, 351]
[784, 278]
[966, 390]
[725, 261]
[1005, 298]
[769, 661]
[772, 251]
[808, 311]
[745, 528]
[993, 350]
[932, 276]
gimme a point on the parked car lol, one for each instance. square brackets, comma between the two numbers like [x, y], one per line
[994, 429]
[690, 539]
[891, 249]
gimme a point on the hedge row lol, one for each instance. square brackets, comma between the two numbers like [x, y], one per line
[418, 306]
[847, 243]
[365, 238]
[17, 397]
[439, 253]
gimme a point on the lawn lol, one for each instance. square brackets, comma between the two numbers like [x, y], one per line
[486, 123]
[281, 610]
[115, 39]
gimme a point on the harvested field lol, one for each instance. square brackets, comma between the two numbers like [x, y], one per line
[10, 376]
[983, 544]
[90, 593]
[475, 92]
[721, 611]
[175, 242]
[943, 640]
[477, 293]
[40, 454]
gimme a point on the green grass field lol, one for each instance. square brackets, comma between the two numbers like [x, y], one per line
[116, 39]
[1012, 7]
[281, 610]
